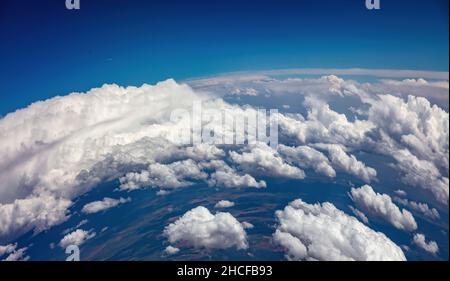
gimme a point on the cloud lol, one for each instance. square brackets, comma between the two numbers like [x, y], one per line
[7, 249]
[263, 160]
[400, 192]
[323, 125]
[18, 255]
[77, 237]
[421, 208]
[415, 134]
[224, 204]
[38, 213]
[231, 179]
[53, 151]
[348, 163]
[435, 91]
[171, 250]
[163, 176]
[360, 215]
[226, 176]
[420, 241]
[322, 232]
[105, 204]
[381, 206]
[247, 225]
[201, 229]
[391, 73]
[307, 157]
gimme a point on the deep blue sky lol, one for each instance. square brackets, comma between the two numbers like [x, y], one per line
[46, 50]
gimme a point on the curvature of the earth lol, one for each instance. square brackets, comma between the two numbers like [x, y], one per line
[375, 148]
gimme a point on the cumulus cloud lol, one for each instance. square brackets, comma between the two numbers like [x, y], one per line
[420, 241]
[381, 206]
[308, 157]
[226, 176]
[201, 229]
[7, 249]
[322, 232]
[77, 237]
[18, 255]
[435, 91]
[348, 163]
[264, 160]
[247, 225]
[415, 134]
[360, 215]
[224, 204]
[421, 208]
[105, 204]
[324, 125]
[55, 150]
[38, 213]
[163, 176]
[400, 192]
[170, 250]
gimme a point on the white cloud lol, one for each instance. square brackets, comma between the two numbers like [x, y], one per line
[323, 125]
[391, 73]
[163, 176]
[415, 134]
[348, 163]
[201, 229]
[362, 217]
[322, 232]
[307, 157]
[105, 204]
[381, 206]
[55, 150]
[18, 255]
[400, 192]
[436, 92]
[247, 225]
[7, 249]
[170, 250]
[224, 204]
[264, 160]
[77, 237]
[38, 213]
[421, 208]
[420, 241]
[231, 179]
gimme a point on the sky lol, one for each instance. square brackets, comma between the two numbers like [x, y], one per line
[47, 50]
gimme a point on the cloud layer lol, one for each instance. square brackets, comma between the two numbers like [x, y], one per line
[56, 150]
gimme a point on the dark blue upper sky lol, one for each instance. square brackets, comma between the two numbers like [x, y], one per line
[46, 50]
